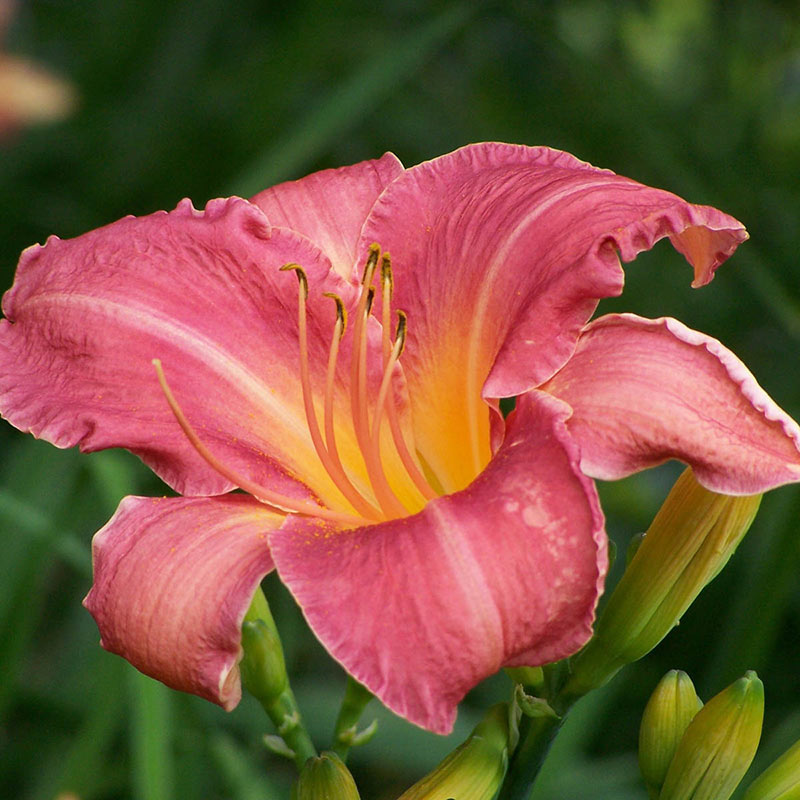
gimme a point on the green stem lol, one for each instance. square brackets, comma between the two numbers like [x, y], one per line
[264, 676]
[536, 737]
[285, 715]
[354, 702]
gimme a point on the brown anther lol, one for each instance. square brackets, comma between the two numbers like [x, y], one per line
[387, 279]
[301, 276]
[341, 312]
[372, 260]
[400, 333]
[370, 299]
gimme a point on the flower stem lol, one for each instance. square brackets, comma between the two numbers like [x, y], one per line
[285, 715]
[354, 702]
[264, 676]
[536, 736]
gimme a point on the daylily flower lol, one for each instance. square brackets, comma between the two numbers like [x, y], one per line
[428, 541]
[28, 93]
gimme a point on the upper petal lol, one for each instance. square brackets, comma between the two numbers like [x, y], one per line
[643, 391]
[500, 253]
[173, 578]
[329, 207]
[506, 572]
[201, 291]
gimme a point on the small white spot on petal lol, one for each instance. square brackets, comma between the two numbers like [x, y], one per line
[535, 517]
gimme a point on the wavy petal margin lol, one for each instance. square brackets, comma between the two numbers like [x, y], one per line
[202, 292]
[500, 254]
[643, 391]
[173, 578]
[507, 572]
[329, 207]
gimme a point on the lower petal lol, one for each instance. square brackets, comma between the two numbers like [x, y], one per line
[173, 578]
[507, 571]
[643, 391]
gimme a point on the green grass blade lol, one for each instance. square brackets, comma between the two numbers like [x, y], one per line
[150, 738]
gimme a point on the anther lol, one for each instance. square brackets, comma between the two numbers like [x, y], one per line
[400, 333]
[370, 301]
[372, 260]
[341, 312]
[387, 280]
[301, 276]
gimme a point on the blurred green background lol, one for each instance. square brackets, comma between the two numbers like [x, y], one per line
[213, 97]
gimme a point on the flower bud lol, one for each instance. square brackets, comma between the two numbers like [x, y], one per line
[527, 676]
[780, 781]
[690, 540]
[719, 744]
[262, 666]
[671, 708]
[325, 777]
[475, 769]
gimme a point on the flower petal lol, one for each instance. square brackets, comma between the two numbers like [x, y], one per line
[506, 572]
[329, 207]
[500, 253]
[201, 291]
[173, 578]
[643, 391]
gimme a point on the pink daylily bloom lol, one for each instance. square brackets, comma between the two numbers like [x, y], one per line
[428, 541]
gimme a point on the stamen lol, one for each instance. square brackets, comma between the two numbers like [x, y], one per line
[387, 286]
[289, 505]
[332, 467]
[338, 333]
[388, 500]
[399, 343]
[362, 421]
[358, 334]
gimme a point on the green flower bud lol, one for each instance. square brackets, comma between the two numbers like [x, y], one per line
[262, 666]
[718, 745]
[781, 780]
[325, 777]
[691, 539]
[527, 676]
[475, 769]
[667, 714]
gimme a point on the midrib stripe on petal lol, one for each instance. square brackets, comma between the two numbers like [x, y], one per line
[477, 593]
[194, 343]
[488, 279]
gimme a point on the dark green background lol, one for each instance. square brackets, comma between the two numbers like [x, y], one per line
[214, 97]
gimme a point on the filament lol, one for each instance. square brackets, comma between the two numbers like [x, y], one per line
[387, 285]
[332, 466]
[280, 502]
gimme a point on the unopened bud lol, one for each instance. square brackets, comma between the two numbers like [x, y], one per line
[475, 769]
[527, 676]
[325, 777]
[691, 539]
[667, 715]
[718, 745]
[262, 667]
[780, 781]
